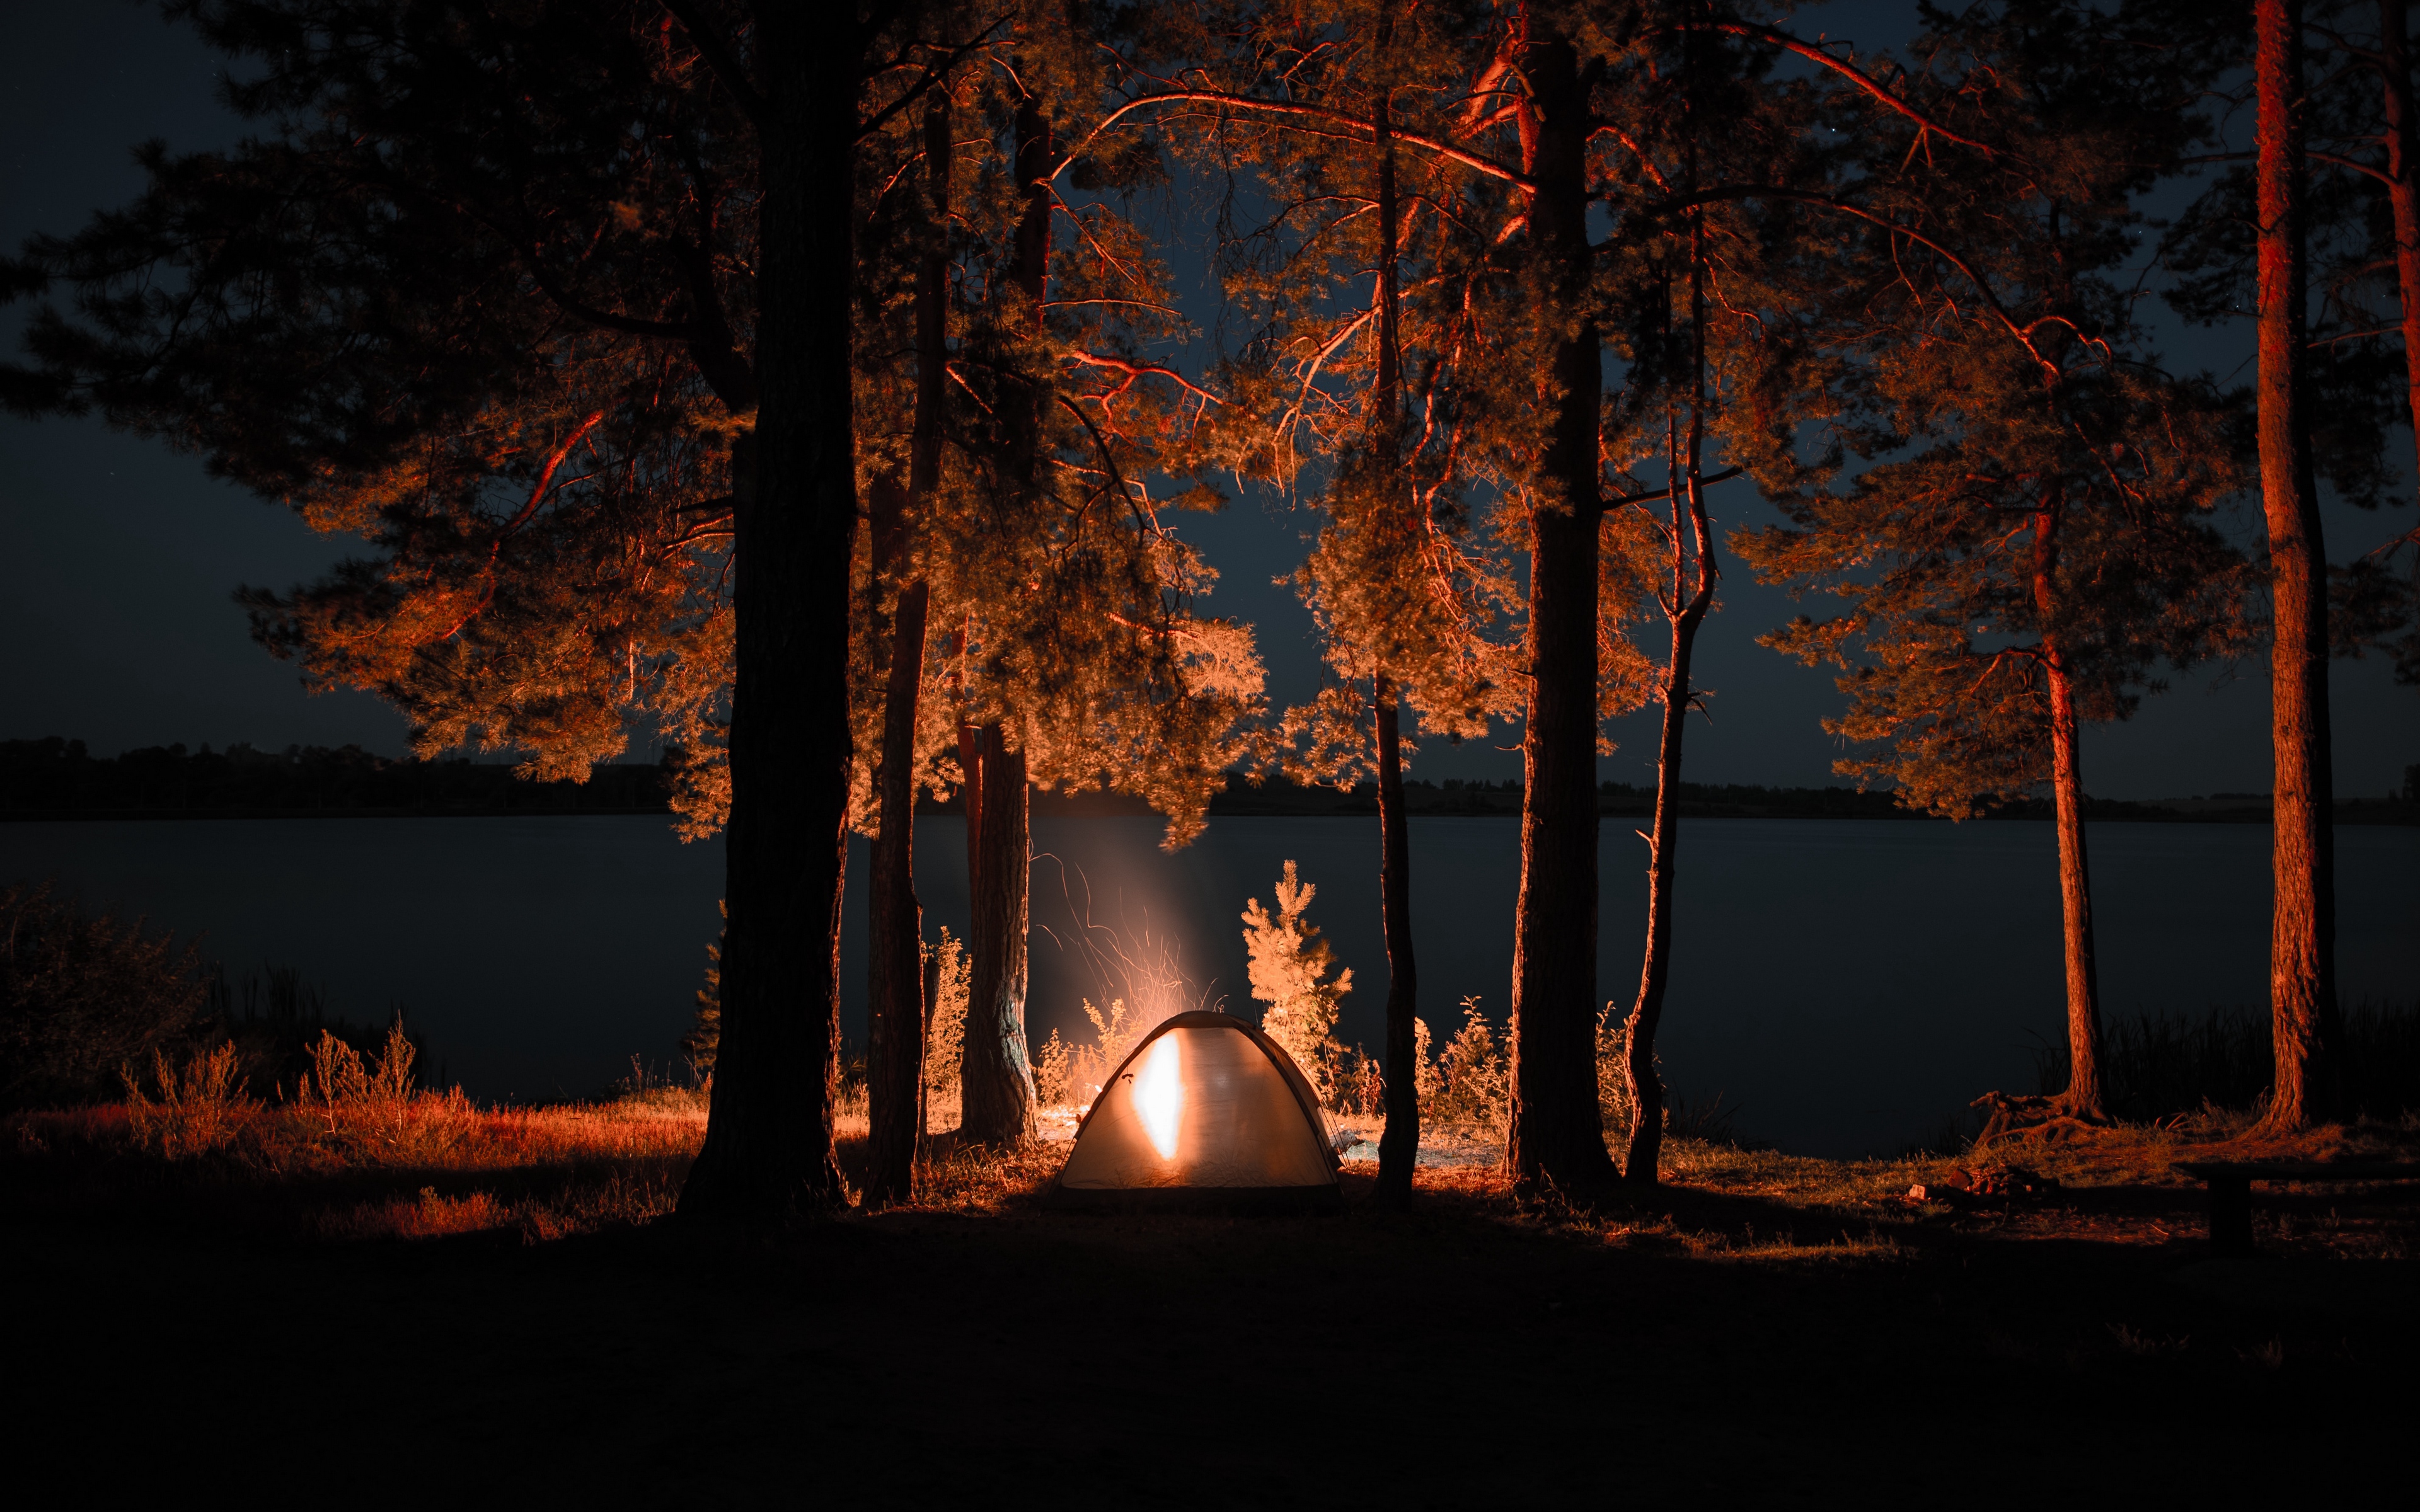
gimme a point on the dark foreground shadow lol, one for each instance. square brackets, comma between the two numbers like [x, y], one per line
[1462, 1353]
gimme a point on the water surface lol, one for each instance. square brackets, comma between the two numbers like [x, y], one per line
[1846, 985]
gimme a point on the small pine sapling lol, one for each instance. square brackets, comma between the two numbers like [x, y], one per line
[1288, 966]
[1051, 1072]
[948, 969]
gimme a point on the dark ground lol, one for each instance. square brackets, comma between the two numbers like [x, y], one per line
[1463, 1355]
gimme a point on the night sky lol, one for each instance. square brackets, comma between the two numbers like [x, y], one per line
[118, 558]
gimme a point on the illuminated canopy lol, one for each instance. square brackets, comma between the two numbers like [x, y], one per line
[1206, 1110]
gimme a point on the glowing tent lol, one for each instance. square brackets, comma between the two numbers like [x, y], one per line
[1208, 1111]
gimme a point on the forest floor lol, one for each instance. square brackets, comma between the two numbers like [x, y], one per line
[1760, 1325]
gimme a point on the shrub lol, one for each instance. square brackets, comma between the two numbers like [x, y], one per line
[198, 1111]
[1053, 1072]
[1114, 1036]
[81, 998]
[705, 1036]
[1288, 966]
[276, 1019]
[1424, 1071]
[948, 973]
[372, 1105]
[1615, 1108]
[1361, 1084]
[1474, 1081]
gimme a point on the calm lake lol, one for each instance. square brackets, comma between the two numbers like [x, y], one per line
[1847, 985]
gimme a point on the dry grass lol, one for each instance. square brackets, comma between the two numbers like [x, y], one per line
[357, 1154]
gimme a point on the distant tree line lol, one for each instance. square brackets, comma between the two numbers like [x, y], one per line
[59, 776]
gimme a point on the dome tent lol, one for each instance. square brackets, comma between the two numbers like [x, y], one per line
[1208, 1111]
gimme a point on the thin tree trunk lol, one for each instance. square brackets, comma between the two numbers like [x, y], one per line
[2403, 192]
[1399, 1147]
[1693, 595]
[769, 1140]
[1641, 1161]
[2084, 1098]
[997, 1086]
[995, 1082]
[895, 924]
[2302, 955]
[1556, 1139]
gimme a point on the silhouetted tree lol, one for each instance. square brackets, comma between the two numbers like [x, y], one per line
[515, 291]
[2037, 546]
[1350, 378]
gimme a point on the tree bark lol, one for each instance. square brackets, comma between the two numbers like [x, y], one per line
[2085, 1097]
[2301, 955]
[769, 1141]
[1399, 1147]
[895, 925]
[2403, 192]
[1693, 595]
[1556, 1137]
[996, 1081]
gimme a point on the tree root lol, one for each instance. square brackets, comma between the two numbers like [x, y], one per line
[2041, 1120]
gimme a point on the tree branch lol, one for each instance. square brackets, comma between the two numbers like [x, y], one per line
[1609, 507]
[718, 56]
[1846, 70]
[932, 70]
[1275, 107]
[2022, 334]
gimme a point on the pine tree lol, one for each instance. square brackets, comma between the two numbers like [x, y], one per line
[1359, 388]
[557, 306]
[2039, 541]
[1288, 965]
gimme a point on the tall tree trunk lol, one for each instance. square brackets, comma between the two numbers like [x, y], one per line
[1556, 1137]
[2085, 1097]
[1641, 1161]
[1692, 598]
[2301, 953]
[1399, 1147]
[997, 1084]
[769, 1140]
[895, 926]
[1693, 595]
[895, 923]
[2403, 192]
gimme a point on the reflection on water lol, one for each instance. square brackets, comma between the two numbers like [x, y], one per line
[1845, 984]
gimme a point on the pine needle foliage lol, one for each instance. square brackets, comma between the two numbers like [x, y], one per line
[1289, 966]
[2043, 523]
